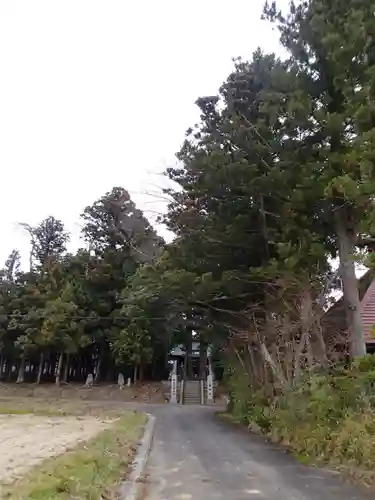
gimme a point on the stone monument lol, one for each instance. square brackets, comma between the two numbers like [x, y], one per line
[210, 383]
[173, 398]
[120, 381]
[89, 380]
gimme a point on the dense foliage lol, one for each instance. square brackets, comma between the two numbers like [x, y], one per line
[275, 180]
[62, 317]
[327, 417]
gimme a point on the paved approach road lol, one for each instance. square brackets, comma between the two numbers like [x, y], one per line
[196, 457]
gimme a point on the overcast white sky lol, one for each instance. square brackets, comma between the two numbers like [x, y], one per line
[95, 94]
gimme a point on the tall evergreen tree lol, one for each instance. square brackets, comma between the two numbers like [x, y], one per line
[114, 221]
[331, 46]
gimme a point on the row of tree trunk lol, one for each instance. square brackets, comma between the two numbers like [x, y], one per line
[62, 368]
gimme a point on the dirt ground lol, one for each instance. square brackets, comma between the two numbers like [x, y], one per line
[142, 393]
[26, 440]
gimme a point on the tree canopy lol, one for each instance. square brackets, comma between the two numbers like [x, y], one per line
[274, 181]
[65, 312]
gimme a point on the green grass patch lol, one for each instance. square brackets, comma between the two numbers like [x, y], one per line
[229, 418]
[54, 407]
[239, 421]
[45, 412]
[92, 470]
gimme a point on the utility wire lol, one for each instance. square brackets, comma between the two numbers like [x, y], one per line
[43, 316]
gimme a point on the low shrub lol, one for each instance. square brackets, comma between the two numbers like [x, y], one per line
[326, 417]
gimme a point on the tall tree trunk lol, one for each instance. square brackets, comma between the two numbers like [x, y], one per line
[276, 370]
[319, 346]
[58, 371]
[21, 371]
[254, 370]
[9, 370]
[304, 345]
[66, 368]
[40, 369]
[242, 363]
[1, 366]
[97, 368]
[346, 243]
[135, 374]
[71, 371]
[109, 376]
[141, 372]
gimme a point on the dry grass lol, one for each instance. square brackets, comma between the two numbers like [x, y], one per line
[60, 407]
[92, 470]
[142, 393]
[349, 449]
[26, 440]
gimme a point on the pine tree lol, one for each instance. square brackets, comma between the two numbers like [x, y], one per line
[332, 50]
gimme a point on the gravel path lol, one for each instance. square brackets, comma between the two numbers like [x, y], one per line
[196, 457]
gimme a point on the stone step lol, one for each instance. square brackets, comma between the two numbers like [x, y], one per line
[192, 402]
[192, 392]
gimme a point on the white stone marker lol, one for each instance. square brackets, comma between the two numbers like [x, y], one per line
[210, 383]
[173, 399]
[210, 389]
[120, 381]
[89, 380]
